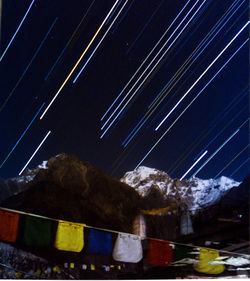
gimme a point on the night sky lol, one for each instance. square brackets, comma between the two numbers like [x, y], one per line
[188, 61]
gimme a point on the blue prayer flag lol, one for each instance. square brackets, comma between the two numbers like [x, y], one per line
[100, 242]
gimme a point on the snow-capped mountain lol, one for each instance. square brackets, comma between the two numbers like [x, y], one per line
[29, 174]
[196, 193]
[21, 183]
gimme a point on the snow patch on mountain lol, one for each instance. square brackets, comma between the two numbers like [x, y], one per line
[25, 178]
[21, 183]
[143, 178]
[29, 174]
[208, 192]
[196, 193]
[43, 165]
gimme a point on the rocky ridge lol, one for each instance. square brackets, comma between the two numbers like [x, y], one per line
[195, 193]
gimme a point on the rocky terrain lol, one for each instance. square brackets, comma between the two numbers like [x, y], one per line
[67, 188]
[195, 193]
[143, 188]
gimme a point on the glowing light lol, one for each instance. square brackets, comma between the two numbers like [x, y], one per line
[6, 158]
[205, 163]
[194, 164]
[44, 139]
[79, 60]
[206, 70]
[144, 61]
[99, 42]
[13, 37]
[148, 73]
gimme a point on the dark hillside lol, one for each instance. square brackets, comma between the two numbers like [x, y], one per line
[72, 190]
[236, 202]
[5, 192]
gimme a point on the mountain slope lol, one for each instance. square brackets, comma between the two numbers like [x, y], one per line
[67, 188]
[196, 193]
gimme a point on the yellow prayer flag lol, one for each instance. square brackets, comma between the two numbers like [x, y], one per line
[18, 274]
[69, 236]
[38, 272]
[206, 256]
[55, 268]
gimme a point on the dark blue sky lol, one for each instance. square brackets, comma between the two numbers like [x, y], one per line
[201, 52]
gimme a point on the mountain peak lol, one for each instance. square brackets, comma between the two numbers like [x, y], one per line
[196, 193]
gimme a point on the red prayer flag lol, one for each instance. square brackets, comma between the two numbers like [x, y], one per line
[159, 252]
[8, 226]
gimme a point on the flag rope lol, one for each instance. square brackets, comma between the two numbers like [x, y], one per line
[120, 232]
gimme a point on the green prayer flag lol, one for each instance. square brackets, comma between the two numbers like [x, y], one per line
[37, 231]
[182, 252]
[183, 256]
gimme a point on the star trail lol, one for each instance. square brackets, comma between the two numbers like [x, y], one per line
[44, 139]
[19, 26]
[79, 60]
[124, 83]
[159, 60]
[27, 67]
